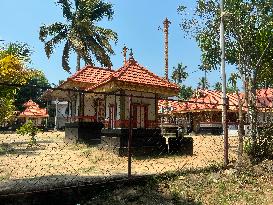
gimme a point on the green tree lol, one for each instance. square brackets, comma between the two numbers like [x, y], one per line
[203, 83]
[33, 89]
[230, 87]
[20, 50]
[185, 92]
[14, 58]
[218, 86]
[179, 73]
[11, 72]
[81, 33]
[178, 76]
[248, 42]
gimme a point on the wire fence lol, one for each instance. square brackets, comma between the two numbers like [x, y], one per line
[86, 137]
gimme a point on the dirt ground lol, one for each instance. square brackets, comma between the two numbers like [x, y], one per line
[53, 157]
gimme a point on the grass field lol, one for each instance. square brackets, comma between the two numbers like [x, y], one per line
[53, 157]
[211, 186]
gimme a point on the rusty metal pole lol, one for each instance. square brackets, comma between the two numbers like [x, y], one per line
[130, 139]
[166, 32]
[224, 96]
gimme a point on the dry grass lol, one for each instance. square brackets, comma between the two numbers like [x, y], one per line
[53, 157]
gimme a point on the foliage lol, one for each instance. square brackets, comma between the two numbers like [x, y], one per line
[11, 71]
[218, 86]
[29, 129]
[33, 89]
[6, 109]
[203, 83]
[179, 75]
[263, 149]
[248, 42]
[231, 86]
[248, 26]
[20, 50]
[185, 92]
[80, 32]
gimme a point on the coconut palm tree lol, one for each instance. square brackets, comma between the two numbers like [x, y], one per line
[179, 74]
[203, 83]
[80, 32]
[218, 86]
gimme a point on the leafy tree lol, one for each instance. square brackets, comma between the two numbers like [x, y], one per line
[20, 50]
[12, 71]
[33, 89]
[248, 41]
[203, 83]
[80, 32]
[185, 92]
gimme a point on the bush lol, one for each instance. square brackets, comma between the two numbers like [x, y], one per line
[262, 148]
[29, 129]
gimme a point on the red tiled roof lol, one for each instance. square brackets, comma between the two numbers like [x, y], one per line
[33, 110]
[203, 100]
[212, 100]
[132, 72]
[30, 103]
[90, 74]
[265, 98]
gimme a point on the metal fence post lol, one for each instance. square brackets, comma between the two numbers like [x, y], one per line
[130, 139]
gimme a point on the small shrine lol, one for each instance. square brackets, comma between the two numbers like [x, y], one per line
[34, 113]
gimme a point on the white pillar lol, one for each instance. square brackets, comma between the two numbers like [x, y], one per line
[56, 113]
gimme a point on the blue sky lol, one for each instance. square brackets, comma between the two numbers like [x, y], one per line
[136, 23]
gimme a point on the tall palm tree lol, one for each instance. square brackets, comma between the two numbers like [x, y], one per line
[80, 32]
[179, 74]
[203, 83]
[218, 86]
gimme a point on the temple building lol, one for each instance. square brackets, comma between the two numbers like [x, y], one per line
[202, 113]
[104, 104]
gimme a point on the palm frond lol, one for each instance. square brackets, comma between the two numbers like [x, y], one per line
[50, 45]
[65, 57]
[100, 10]
[66, 6]
[51, 30]
[94, 10]
[99, 52]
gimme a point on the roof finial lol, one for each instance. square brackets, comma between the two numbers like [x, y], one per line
[124, 53]
[131, 54]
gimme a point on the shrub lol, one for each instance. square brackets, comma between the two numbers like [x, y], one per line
[262, 148]
[29, 129]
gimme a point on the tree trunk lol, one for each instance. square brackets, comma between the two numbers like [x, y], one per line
[78, 62]
[240, 133]
[253, 110]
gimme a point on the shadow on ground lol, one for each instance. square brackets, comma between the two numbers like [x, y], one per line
[70, 189]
